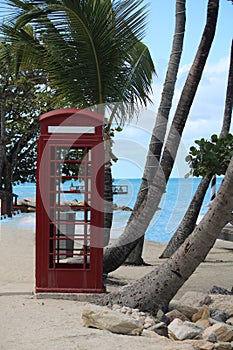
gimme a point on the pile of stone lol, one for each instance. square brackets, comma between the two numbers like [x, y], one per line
[204, 321]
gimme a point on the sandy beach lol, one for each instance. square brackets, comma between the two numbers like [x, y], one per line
[28, 322]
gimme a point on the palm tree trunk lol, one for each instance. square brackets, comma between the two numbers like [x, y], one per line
[137, 227]
[229, 98]
[189, 221]
[155, 290]
[159, 131]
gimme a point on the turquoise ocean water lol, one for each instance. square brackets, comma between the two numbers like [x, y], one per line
[172, 206]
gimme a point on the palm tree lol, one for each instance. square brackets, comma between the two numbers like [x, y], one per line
[116, 253]
[160, 127]
[94, 55]
[188, 223]
[155, 290]
[91, 49]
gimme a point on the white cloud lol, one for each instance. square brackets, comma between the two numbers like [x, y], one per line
[204, 120]
[207, 111]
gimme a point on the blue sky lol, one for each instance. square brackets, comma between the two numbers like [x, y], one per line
[207, 111]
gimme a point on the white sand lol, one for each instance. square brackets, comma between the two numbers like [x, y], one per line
[31, 323]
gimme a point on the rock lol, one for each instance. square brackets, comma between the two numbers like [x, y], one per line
[151, 334]
[195, 299]
[185, 309]
[202, 314]
[219, 315]
[123, 207]
[171, 315]
[135, 310]
[179, 330]
[200, 344]
[230, 321]
[160, 329]
[147, 325]
[222, 332]
[219, 290]
[222, 346]
[116, 307]
[160, 316]
[167, 344]
[203, 323]
[149, 320]
[210, 337]
[28, 202]
[126, 310]
[223, 303]
[113, 321]
[142, 313]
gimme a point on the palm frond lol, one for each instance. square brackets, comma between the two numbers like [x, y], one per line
[91, 48]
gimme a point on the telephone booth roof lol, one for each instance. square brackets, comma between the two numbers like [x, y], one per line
[70, 117]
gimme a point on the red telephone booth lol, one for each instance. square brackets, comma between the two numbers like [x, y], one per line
[69, 215]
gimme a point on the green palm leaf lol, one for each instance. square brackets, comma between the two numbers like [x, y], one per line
[92, 50]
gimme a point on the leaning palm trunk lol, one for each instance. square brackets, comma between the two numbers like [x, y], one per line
[137, 227]
[159, 131]
[155, 290]
[229, 98]
[189, 221]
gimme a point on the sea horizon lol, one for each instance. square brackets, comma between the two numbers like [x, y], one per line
[173, 205]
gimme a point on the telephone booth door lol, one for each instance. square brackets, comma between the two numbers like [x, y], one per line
[69, 218]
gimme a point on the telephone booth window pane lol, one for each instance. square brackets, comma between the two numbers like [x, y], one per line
[67, 170]
[88, 169]
[52, 169]
[80, 216]
[52, 154]
[89, 199]
[88, 213]
[89, 155]
[70, 199]
[66, 153]
[51, 199]
[74, 185]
